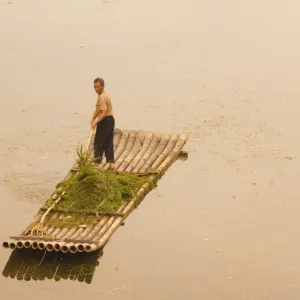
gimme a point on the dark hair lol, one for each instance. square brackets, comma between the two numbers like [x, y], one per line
[100, 80]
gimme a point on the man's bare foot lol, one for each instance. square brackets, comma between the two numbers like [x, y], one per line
[112, 166]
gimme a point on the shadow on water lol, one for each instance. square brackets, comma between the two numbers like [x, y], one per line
[28, 264]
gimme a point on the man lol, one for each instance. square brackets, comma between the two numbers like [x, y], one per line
[104, 122]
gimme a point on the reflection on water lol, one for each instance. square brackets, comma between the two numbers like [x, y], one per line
[28, 264]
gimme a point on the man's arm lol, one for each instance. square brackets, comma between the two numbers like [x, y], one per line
[95, 114]
[102, 115]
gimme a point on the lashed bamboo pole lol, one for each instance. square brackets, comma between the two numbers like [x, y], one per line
[154, 142]
[90, 247]
[19, 244]
[83, 234]
[12, 245]
[166, 151]
[56, 232]
[101, 224]
[73, 248]
[134, 151]
[142, 151]
[129, 145]
[159, 149]
[50, 246]
[71, 232]
[41, 245]
[62, 233]
[27, 243]
[105, 228]
[34, 245]
[64, 248]
[174, 153]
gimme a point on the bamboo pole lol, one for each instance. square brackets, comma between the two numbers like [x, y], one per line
[73, 248]
[129, 145]
[154, 142]
[19, 244]
[134, 151]
[71, 232]
[142, 151]
[41, 245]
[34, 245]
[90, 247]
[101, 225]
[117, 137]
[56, 232]
[174, 153]
[63, 232]
[170, 145]
[104, 229]
[81, 247]
[50, 247]
[27, 243]
[159, 149]
[5, 245]
[94, 230]
[64, 248]
[88, 230]
[12, 245]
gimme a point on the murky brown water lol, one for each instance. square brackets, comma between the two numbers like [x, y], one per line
[223, 225]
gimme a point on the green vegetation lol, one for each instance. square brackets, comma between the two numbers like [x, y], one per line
[95, 190]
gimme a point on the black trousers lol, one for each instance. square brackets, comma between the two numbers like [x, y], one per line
[104, 140]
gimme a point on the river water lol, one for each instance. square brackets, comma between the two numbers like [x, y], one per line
[222, 225]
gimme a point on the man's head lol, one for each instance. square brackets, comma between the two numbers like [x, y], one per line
[99, 85]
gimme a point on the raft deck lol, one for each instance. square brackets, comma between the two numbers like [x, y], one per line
[145, 153]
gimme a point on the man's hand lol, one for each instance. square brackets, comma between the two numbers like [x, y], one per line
[93, 125]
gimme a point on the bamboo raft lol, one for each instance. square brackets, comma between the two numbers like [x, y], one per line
[144, 153]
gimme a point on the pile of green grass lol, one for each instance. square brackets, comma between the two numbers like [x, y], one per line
[95, 190]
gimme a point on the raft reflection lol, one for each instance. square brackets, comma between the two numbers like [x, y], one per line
[29, 264]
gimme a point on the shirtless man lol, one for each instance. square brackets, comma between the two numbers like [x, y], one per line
[104, 122]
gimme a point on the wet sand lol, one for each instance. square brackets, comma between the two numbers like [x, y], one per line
[222, 225]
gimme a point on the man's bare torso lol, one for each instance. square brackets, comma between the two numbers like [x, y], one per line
[104, 104]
